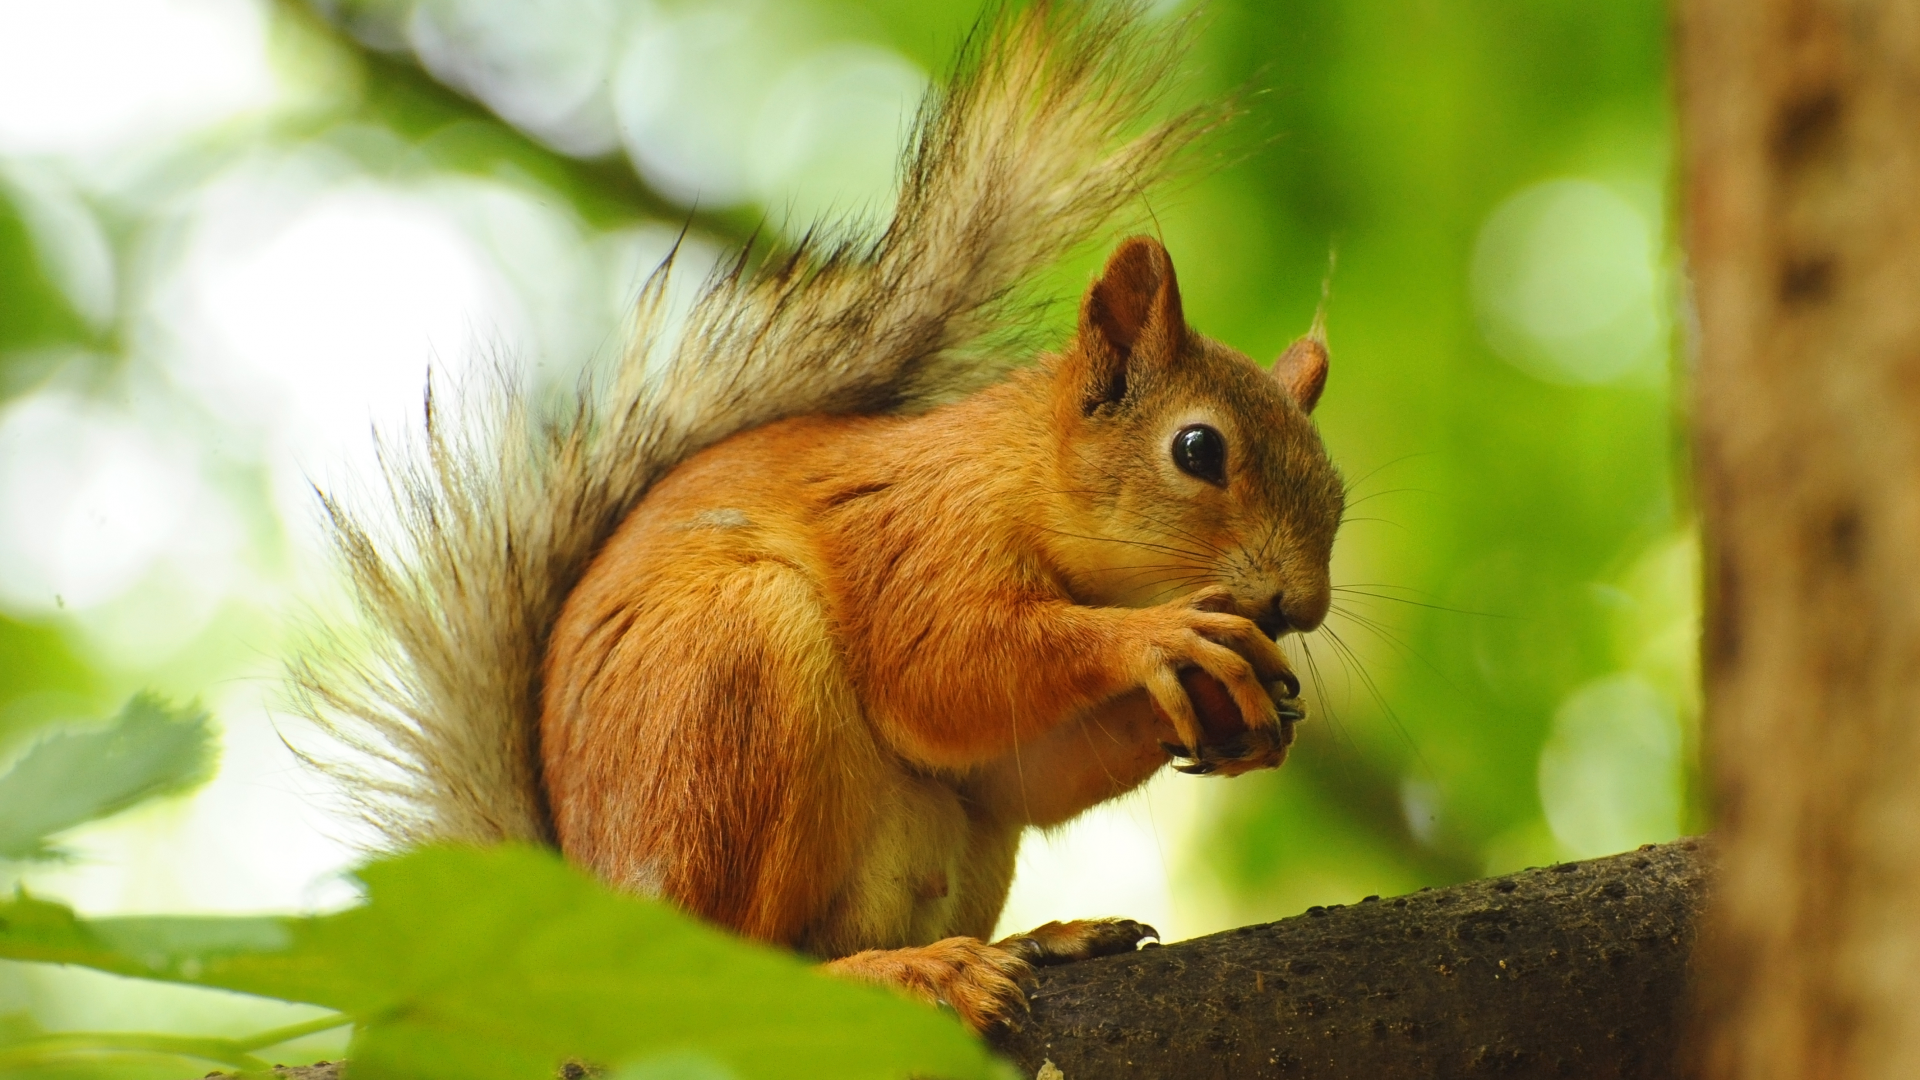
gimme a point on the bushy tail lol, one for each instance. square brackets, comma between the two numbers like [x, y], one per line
[1024, 155]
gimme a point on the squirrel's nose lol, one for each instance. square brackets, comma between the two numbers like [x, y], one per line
[1279, 616]
[1272, 619]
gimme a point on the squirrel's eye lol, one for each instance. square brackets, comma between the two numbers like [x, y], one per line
[1201, 452]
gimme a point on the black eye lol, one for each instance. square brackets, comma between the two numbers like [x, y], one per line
[1201, 452]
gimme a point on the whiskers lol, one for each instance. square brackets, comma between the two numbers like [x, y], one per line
[1163, 581]
[1144, 545]
[1203, 547]
[1188, 561]
[1350, 488]
[1360, 594]
[1157, 582]
[1353, 610]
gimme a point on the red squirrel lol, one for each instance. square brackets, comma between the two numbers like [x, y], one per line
[784, 629]
[892, 643]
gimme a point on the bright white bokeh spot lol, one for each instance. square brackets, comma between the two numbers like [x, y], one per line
[111, 525]
[730, 102]
[85, 76]
[348, 302]
[1420, 804]
[1117, 859]
[542, 66]
[552, 322]
[686, 93]
[89, 502]
[1564, 280]
[1609, 773]
[306, 320]
[828, 139]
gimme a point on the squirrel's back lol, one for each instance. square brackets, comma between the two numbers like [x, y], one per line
[497, 510]
[703, 736]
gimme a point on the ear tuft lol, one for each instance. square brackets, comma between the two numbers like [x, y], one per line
[1136, 286]
[1302, 369]
[1135, 305]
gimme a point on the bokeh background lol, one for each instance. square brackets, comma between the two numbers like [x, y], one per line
[234, 235]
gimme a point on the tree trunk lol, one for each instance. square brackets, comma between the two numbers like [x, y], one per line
[1578, 970]
[1801, 122]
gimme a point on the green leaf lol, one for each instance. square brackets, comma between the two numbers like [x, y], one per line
[80, 774]
[506, 962]
[171, 949]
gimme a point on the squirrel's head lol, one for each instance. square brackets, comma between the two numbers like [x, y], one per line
[1184, 464]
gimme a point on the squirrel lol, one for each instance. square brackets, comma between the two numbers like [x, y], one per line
[805, 617]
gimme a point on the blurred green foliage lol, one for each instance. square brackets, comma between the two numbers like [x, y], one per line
[1492, 511]
[33, 312]
[36, 661]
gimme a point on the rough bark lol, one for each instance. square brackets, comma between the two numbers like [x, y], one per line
[1801, 122]
[1577, 970]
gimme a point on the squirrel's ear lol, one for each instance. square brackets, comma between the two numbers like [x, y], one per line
[1134, 309]
[1302, 369]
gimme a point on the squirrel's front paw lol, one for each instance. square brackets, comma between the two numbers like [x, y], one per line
[1227, 749]
[980, 982]
[1246, 751]
[1201, 635]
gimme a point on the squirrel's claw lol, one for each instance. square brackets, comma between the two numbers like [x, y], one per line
[1197, 767]
[1245, 751]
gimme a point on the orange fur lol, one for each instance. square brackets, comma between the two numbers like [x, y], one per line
[823, 675]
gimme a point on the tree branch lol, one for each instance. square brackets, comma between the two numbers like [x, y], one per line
[1575, 970]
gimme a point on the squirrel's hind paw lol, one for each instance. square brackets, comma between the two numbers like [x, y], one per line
[980, 982]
